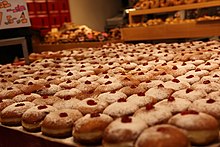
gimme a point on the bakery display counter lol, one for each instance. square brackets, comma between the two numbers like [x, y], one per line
[117, 94]
[171, 31]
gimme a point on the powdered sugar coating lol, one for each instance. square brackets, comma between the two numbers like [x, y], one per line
[118, 109]
[192, 95]
[87, 118]
[66, 104]
[111, 97]
[73, 92]
[140, 101]
[28, 97]
[96, 107]
[36, 114]
[15, 109]
[194, 121]
[178, 105]
[203, 105]
[153, 116]
[176, 86]
[212, 86]
[117, 129]
[159, 93]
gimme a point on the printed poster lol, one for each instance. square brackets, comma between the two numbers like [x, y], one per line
[13, 14]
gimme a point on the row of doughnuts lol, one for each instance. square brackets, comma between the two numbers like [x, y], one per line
[148, 4]
[119, 94]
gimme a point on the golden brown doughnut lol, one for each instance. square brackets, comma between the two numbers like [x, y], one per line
[60, 123]
[162, 136]
[89, 129]
[12, 114]
[202, 128]
[33, 117]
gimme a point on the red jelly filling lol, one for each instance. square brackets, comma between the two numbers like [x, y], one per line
[210, 101]
[149, 106]
[108, 82]
[63, 114]
[175, 80]
[188, 90]
[206, 82]
[42, 107]
[88, 82]
[122, 100]
[126, 119]
[19, 105]
[91, 102]
[190, 76]
[171, 99]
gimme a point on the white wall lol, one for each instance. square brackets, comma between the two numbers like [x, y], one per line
[93, 13]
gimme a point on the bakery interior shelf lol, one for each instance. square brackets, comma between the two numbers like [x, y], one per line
[173, 8]
[171, 31]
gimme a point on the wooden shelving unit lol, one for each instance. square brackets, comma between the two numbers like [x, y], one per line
[171, 31]
[132, 14]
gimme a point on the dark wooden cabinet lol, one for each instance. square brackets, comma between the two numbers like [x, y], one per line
[47, 14]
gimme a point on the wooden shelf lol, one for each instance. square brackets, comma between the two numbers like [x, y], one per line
[173, 8]
[171, 31]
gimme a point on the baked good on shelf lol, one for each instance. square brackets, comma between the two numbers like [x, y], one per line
[209, 106]
[191, 79]
[46, 100]
[33, 117]
[163, 135]
[89, 129]
[108, 86]
[176, 84]
[49, 89]
[111, 97]
[120, 108]
[123, 131]
[175, 105]
[10, 92]
[153, 115]
[207, 86]
[68, 84]
[5, 102]
[73, 92]
[159, 92]
[60, 123]
[12, 114]
[66, 103]
[151, 84]
[202, 128]
[130, 90]
[91, 105]
[189, 1]
[190, 94]
[141, 99]
[87, 88]
[26, 97]
[164, 3]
